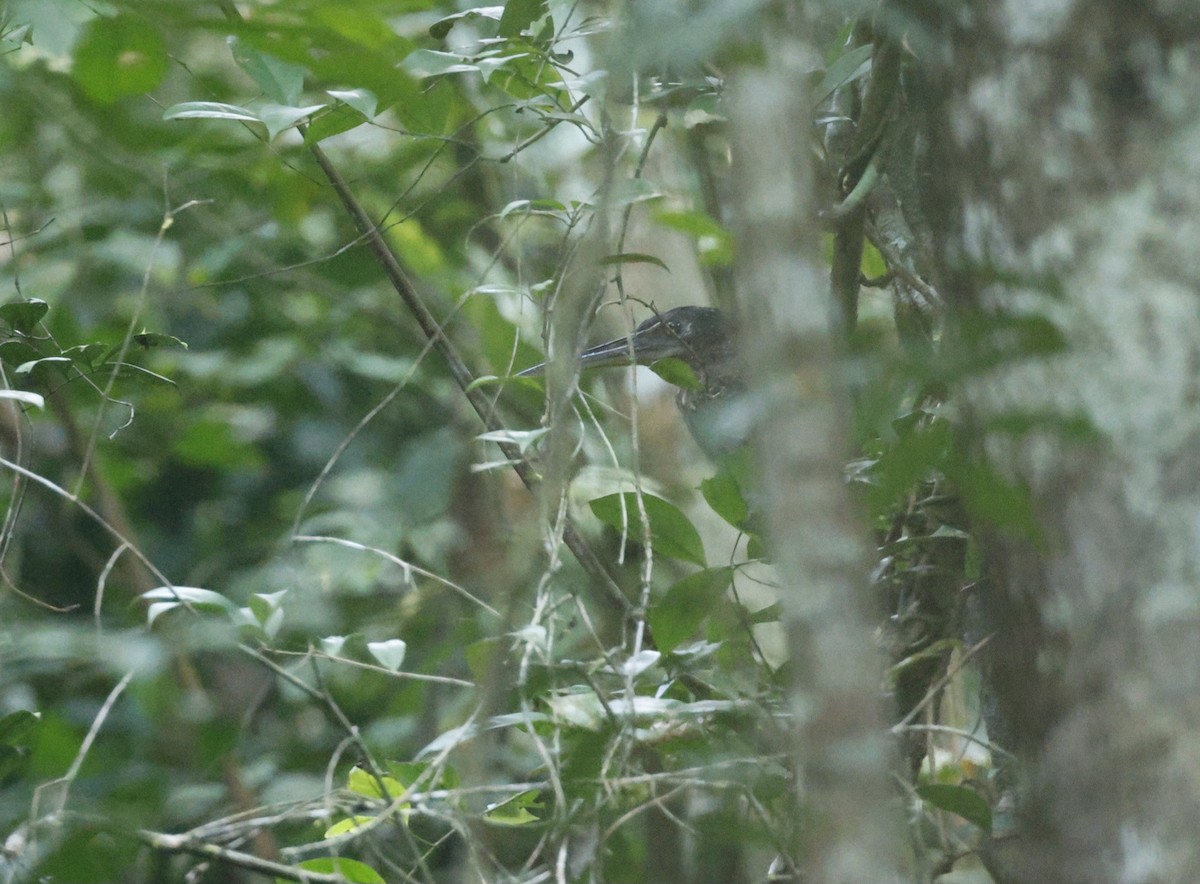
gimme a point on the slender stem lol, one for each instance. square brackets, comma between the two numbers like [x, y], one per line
[458, 369]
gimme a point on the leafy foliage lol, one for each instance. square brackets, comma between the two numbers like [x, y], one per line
[255, 531]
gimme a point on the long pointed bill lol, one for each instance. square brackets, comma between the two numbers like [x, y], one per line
[649, 345]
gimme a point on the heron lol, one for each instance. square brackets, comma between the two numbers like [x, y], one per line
[705, 340]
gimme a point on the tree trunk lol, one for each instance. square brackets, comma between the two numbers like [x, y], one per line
[850, 828]
[1065, 158]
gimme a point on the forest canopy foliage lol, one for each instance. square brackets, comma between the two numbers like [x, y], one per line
[300, 579]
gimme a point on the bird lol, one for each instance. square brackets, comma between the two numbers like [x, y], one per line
[705, 340]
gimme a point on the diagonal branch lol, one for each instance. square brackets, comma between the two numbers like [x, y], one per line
[404, 287]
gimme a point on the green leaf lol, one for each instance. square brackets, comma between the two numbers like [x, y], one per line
[333, 644]
[520, 14]
[363, 783]
[873, 264]
[332, 121]
[211, 443]
[431, 63]
[209, 110]
[24, 315]
[12, 760]
[351, 824]
[18, 353]
[671, 533]
[848, 67]
[87, 354]
[18, 727]
[167, 598]
[265, 605]
[362, 100]
[39, 367]
[724, 495]
[676, 618]
[278, 117]
[960, 800]
[677, 372]
[407, 772]
[635, 258]
[34, 399]
[514, 811]
[351, 869]
[117, 57]
[390, 653]
[713, 242]
[440, 28]
[769, 614]
[993, 499]
[282, 81]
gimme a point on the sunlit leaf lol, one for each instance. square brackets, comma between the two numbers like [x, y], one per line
[514, 811]
[40, 366]
[333, 644]
[167, 598]
[362, 100]
[24, 396]
[277, 117]
[677, 372]
[440, 28]
[351, 869]
[362, 782]
[390, 653]
[351, 824]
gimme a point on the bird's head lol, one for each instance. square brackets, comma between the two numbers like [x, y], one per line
[700, 337]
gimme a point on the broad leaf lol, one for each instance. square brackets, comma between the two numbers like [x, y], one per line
[24, 315]
[515, 811]
[118, 57]
[351, 869]
[390, 653]
[961, 800]
[520, 14]
[676, 618]
[282, 81]
[671, 533]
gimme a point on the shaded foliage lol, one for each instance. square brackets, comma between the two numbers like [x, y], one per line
[343, 637]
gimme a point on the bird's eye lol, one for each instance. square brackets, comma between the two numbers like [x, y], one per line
[673, 327]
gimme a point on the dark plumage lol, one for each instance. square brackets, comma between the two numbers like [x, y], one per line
[704, 339]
